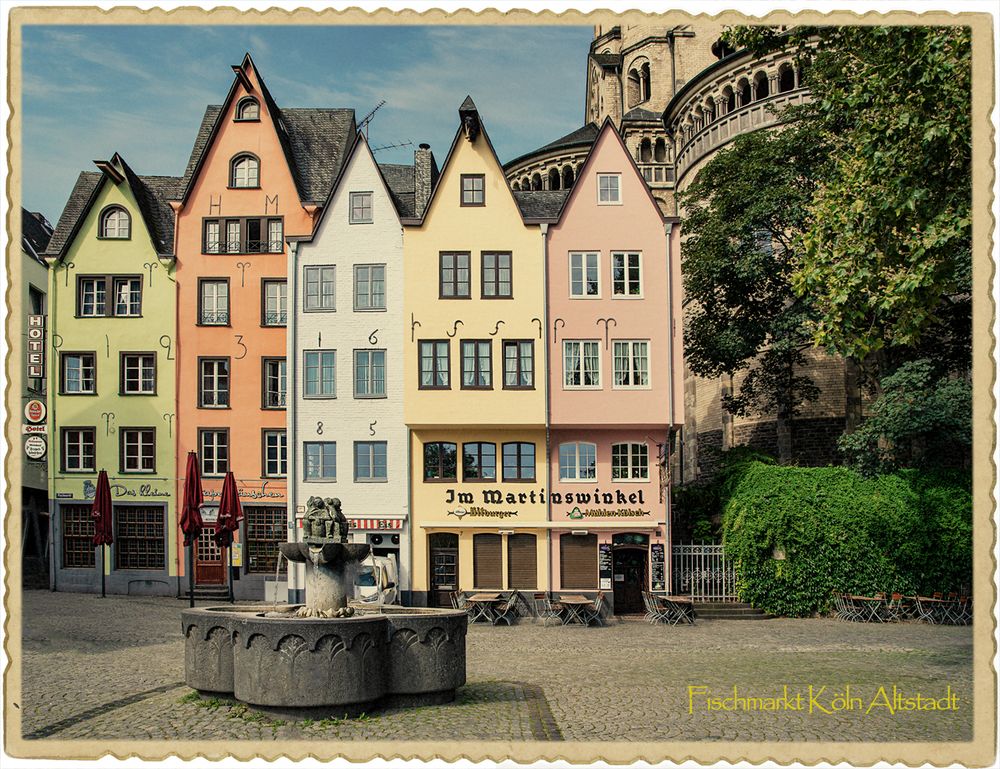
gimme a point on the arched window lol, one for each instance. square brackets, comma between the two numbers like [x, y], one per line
[645, 82]
[634, 92]
[699, 119]
[516, 186]
[567, 177]
[645, 151]
[760, 87]
[248, 109]
[786, 78]
[116, 223]
[660, 151]
[244, 171]
[709, 110]
[536, 182]
[525, 183]
[554, 178]
[725, 103]
[746, 95]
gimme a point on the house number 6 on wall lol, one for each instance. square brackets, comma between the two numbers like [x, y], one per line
[372, 339]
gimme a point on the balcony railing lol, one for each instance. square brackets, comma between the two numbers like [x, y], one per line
[275, 318]
[215, 317]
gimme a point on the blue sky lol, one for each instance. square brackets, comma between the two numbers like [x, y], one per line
[141, 90]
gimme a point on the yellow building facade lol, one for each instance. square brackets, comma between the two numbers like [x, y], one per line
[475, 380]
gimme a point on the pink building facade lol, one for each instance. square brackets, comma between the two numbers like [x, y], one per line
[615, 379]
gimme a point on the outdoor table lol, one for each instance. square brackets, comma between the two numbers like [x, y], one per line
[481, 606]
[937, 610]
[574, 608]
[871, 608]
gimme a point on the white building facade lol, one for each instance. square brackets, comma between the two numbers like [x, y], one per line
[347, 438]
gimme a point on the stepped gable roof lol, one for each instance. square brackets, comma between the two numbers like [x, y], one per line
[538, 205]
[638, 113]
[399, 178]
[35, 234]
[314, 140]
[581, 137]
[152, 195]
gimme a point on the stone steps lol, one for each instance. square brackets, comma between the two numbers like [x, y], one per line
[728, 610]
[206, 593]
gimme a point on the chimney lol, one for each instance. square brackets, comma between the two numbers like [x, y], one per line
[425, 174]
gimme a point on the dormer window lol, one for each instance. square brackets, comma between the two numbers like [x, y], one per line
[116, 223]
[244, 172]
[248, 109]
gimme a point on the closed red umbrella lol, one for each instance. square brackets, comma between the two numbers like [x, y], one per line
[230, 515]
[191, 523]
[103, 522]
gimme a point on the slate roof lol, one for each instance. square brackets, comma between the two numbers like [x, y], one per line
[315, 142]
[36, 232]
[400, 180]
[540, 204]
[581, 137]
[152, 194]
[638, 113]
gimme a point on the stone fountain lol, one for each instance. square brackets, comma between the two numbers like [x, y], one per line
[327, 653]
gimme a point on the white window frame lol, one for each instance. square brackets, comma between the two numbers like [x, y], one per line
[356, 212]
[213, 236]
[583, 370]
[203, 452]
[322, 447]
[279, 299]
[577, 467]
[583, 257]
[215, 377]
[625, 255]
[279, 439]
[631, 344]
[319, 395]
[120, 220]
[280, 378]
[127, 289]
[64, 370]
[245, 169]
[68, 434]
[275, 236]
[632, 464]
[131, 361]
[369, 366]
[99, 291]
[617, 201]
[212, 299]
[318, 305]
[371, 478]
[134, 438]
[369, 270]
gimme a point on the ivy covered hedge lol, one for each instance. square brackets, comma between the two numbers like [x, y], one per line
[799, 533]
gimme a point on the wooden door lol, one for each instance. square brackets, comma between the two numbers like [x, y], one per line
[444, 568]
[209, 560]
[629, 580]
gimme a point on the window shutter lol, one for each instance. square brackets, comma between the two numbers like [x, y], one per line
[522, 557]
[486, 561]
[578, 561]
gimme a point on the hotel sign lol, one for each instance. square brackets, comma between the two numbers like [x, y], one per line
[36, 347]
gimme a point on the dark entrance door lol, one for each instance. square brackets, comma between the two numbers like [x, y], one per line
[630, 570]
[444, 568]
[209, 560]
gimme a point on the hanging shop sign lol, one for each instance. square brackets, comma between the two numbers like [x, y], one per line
[34, 411]
[656, 570]
[36, 347]
[34, 429]
[604, 566]
[35, 447]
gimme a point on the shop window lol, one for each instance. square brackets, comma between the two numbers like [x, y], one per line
[139, 537]
[522, 562]
[77, 536]
[267, 527]
[578, 561]
[487, 569]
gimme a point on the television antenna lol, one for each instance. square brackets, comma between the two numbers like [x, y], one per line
[363, 124]
[392, 146]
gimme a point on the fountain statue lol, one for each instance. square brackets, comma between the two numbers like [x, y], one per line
[326, 653]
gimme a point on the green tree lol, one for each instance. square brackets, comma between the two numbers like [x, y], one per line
[886, 251]
[921, 419]
[745, 213]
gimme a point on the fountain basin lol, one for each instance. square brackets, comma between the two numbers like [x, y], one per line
[400, 656]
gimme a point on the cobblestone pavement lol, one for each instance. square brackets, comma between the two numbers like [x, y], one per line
[113, 669]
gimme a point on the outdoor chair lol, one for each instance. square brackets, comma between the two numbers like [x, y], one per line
[545, 609]
[895, 611]
[508, 612]
[458, 600]
[652, 611]
[682, 610]
[926, 611]
[592, 613]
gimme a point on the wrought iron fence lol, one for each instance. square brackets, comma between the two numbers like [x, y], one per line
[703, 572]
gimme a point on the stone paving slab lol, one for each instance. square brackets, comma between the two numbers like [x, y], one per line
[113, 669]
